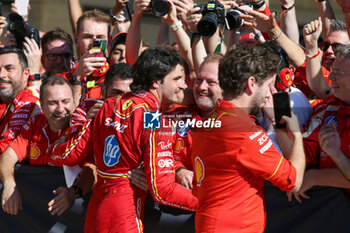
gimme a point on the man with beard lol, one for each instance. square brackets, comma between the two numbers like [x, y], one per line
[231, 163]
[36, 136]
[127, 133]
[18, 102]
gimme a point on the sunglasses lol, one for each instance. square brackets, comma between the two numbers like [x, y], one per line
[325, 45]
[54, 56]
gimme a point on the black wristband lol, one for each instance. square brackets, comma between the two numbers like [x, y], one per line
[177, 171]
[35, 77]
[78, 192]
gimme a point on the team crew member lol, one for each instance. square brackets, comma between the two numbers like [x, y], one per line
[35, 139]
[326, 137]
[231, 163]
[18, 102]
[121, 141]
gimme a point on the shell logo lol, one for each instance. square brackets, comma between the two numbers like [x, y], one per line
[179, 145]
[127, 104]
[34, 152]
[200, 170]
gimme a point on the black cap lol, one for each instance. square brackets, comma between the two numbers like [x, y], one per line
[119, 38]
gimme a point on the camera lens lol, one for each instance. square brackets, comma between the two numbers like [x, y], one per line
[160, 7]
[208, 24]
[233, 20]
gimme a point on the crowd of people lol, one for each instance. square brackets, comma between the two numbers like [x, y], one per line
[184, 126]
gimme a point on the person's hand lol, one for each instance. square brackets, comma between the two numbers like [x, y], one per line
[10, 39]
[182, 7]
[307, 184]
[140, 7]
[193, 17]
[2, 24]
[344, 4]
[329, 140]
[184, 177]
[94, 109]
[88, 63]
[11, 200]
[138, 178]
[292, 125]
[33, 54]
[258, 20]
[171, 17]
[63, 200]
[312, 32]
[228, 4]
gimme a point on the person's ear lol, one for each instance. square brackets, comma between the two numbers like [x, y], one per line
[156, 84]
[251, 85]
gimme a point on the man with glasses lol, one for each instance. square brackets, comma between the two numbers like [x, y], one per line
[57, 46]
[317, 76]
[326, 138]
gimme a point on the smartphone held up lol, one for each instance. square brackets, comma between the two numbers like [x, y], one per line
[281, 107]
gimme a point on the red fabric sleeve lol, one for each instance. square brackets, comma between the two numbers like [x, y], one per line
[260, 156]
[21, 143]
[159, 169]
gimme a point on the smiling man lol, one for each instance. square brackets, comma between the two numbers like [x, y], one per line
[231, 163]
[36, 137]
[18, 102]
[125, 135]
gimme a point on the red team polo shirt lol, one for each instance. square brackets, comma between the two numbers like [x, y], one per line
[330, 110]
[14, 116]
[231, 164]
[34, 140]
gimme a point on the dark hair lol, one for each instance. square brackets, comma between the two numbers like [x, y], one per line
[337, 25]
[21, 56]
[52, 81]
[244, 61]
[153, 64]
[95, 15]
[57, 34]
[342, 51]
[121, 70]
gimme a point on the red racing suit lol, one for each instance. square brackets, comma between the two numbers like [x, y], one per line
[231, 163]
[15, 115]
[330, 110]
[126, 133]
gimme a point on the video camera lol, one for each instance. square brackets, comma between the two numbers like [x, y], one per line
[17, 26]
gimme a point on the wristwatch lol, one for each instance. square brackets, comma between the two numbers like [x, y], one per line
[78, 192]
[73, 80]
[176, 26]
[35, 77]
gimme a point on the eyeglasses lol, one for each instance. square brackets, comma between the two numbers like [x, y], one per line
[54, 56]
[325, 45]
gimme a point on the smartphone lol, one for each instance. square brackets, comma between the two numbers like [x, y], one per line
[99, 44]
[281, 107]
[22, 6]
[0, 8]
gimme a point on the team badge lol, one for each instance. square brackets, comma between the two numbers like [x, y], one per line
[34, 152]
[111, 153]
[179, 144]
[331, 119]
[183, 130]
[200, 171]
[127, 104]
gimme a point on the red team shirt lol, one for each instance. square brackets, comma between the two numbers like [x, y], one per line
[330, 110]
[231, 164]
[119, 143]
[35, 140]
[14, 116]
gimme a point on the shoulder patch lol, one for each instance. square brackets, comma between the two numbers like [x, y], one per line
[127, 104]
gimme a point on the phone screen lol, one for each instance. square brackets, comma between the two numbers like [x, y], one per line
[22, 6]
[281, 107]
